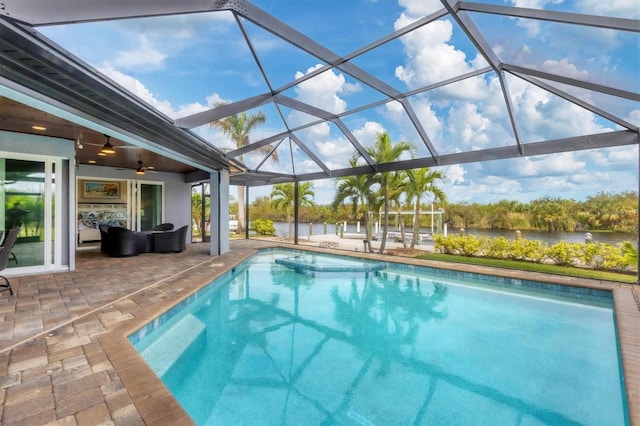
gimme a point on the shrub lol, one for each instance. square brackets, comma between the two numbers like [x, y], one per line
[600, 256]
[630, 255]
[563, 253]
[604, 256]
[499, 248]
[263, 227]
[445, 245]
[530, 250]
[472, 245]
[465, 246]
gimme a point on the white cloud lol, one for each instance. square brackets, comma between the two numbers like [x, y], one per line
[560, 164]
[454, 174]
[634, 117]
[469, 126]
[564, 68]
[619, 8]
[430, 58]
[543, 116]
[322, 90]
[420, 7]
[624, 155]
[368, 132]
[144, 58]
[332, 148]
[137, 88]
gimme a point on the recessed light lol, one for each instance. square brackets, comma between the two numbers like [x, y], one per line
[38, 128]
[91, 161]
[102, 154]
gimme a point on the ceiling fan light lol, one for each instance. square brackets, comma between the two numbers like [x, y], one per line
[107, 148]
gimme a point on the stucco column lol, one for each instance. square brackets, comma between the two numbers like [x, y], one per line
[219, 242]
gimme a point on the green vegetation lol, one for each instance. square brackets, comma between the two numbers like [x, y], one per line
[596, 256]
[593, 215]
[601, 212]
[263, 227]
[533, 267]
[238, 127]
[283, 199]
[383, 151]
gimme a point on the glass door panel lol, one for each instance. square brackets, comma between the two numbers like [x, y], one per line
[23, 194]
[200, 213]
[150, 206]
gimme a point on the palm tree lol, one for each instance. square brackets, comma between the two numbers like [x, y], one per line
[421, 182]
[238, 127]
[283, 198]
[383, 151]
[397, 188]
[358, 190]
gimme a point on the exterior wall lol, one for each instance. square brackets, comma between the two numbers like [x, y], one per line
[177, 192]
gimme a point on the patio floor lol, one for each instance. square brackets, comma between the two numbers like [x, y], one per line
[64, 357]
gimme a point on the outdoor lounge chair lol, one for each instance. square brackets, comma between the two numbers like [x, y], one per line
[170, 241]
[104, 237]
[164, 227]
[124, 242]
[5, 253]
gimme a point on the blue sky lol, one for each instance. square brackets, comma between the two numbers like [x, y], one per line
[186, 64]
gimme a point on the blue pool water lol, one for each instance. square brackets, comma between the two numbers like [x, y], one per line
[266, 344]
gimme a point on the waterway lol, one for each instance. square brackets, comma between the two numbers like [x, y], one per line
[282, 230]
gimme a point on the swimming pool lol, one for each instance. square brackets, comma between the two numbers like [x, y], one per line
[268, 345]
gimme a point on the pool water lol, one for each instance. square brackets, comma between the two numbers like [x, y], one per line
[268, 345]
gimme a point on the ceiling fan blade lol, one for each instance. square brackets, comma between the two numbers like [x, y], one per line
[116, 147]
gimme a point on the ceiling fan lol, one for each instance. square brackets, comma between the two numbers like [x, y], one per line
[107, 148]
[141, 168]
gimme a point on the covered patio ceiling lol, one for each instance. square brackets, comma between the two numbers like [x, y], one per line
[315, 139]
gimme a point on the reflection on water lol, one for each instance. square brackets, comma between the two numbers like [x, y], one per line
[390, 347]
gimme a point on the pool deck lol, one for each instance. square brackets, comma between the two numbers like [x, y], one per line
[65, 359]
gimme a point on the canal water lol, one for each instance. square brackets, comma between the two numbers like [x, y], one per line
[613, 238]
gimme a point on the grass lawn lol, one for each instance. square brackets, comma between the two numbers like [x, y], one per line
[534, 267]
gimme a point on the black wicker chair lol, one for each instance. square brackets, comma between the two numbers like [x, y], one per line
[104, 237]
[164, 227]
[170, 241]
[124, 242]
[5, 254]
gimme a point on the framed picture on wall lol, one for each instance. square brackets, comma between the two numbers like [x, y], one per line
[108, 190]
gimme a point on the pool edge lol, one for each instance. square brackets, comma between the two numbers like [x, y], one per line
[157, 406]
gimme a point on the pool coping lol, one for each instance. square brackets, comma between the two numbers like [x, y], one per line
[157, 406]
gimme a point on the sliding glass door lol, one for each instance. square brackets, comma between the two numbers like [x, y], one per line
[27, 195]
[146, 204]
[201, 212]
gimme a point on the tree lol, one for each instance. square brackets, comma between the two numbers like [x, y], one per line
[397, 188]
[420, 183]
[283, 198]
[238, 127]
[383, 151]
[357, 189]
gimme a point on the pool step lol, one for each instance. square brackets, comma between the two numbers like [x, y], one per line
[166, 350]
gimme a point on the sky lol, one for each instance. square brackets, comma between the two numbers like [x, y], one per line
[186, 64]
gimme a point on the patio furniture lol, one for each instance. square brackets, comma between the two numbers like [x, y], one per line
[170, 241]
[125, 242]
[164, 227]
[104, 237]
[5, 253]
